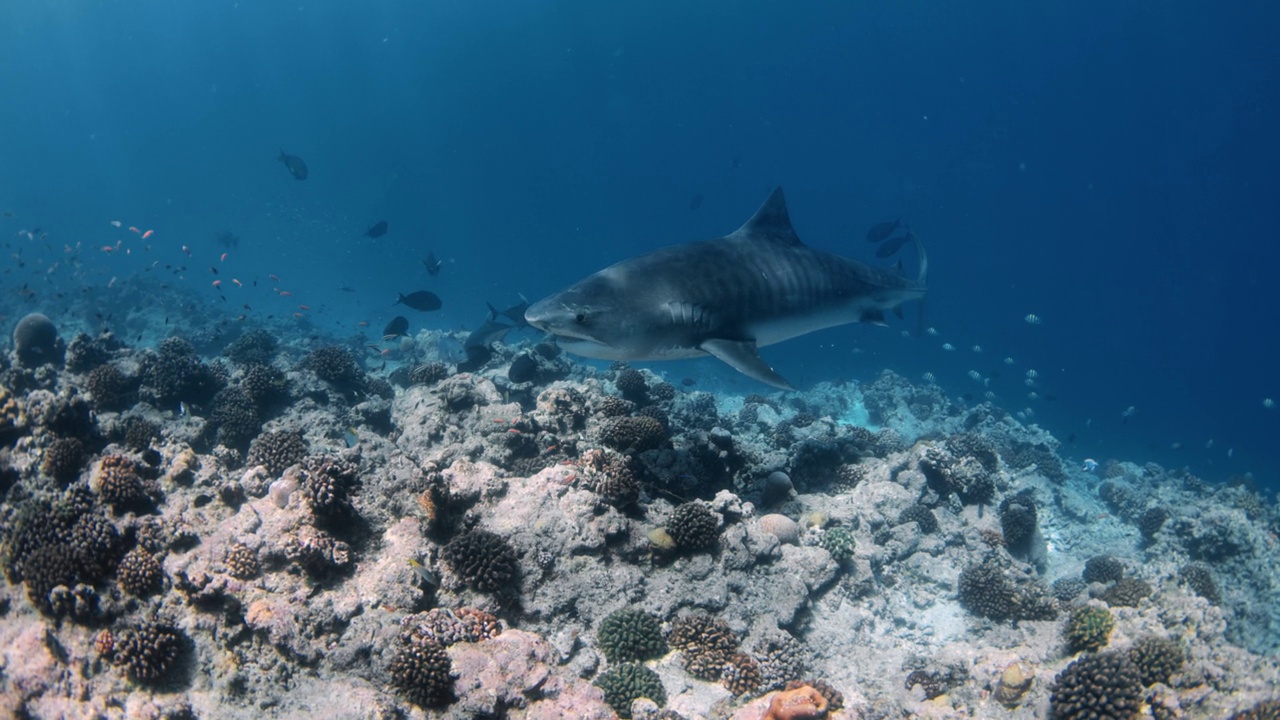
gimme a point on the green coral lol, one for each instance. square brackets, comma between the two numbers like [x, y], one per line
[839, 542]
[1089, 628]
[628, 635]
[629, 682]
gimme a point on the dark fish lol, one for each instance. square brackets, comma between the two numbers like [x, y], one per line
[423, 300]
[892, 246]
[432, 264]
[227, 239]
[346, 288]
[398, 327]
[696, 202]
[297, 168]
[490, 332]
[688, 382]
[376, 230]
[213, 270]
[880, 231]
[523, 369]
[515, 313]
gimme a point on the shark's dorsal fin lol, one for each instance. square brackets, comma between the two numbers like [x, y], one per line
[771, 222]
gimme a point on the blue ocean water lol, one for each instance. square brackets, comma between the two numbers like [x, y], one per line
[1107, 167]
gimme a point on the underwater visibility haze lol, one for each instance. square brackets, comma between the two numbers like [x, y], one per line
[314, 404]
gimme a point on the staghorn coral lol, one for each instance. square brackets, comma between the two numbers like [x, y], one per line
[629, 635]
[63, 459]
[175, 374]
[109, 387]
[277, 451]
[256, 346]
[1200, 580]
[986, 592]
[448, 627]
[1089, 628]
[118, 483]
[484, 561]
[705, 643]
[1102, 685]
[422, 671]
[609, 474]
[1126, 592]
[693, 526]
[634, 434]
[149, 651]
[629, 682]
[1157, 659]
[920, 515]
[139, 573]
[839, 542]
[336, 366]
[741, 674]
[242, 562]
[1102, 569]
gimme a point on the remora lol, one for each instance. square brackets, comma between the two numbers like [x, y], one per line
[724, 297]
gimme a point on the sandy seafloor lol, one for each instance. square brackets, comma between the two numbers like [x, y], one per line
[219, 528]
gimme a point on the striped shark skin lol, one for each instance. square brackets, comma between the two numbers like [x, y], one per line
[726, 297]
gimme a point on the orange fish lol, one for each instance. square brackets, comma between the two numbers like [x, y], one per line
[285, 293]
[304, 307]
[274, 278]
[297, 315]
[148, 234]
[237, 282]
[217, 283]
[134, 229]
[108, 248]
[224, 257]
[385, 352]
[363, 323]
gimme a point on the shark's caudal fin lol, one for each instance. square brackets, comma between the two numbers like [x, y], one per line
[771, 222]
[742, 356]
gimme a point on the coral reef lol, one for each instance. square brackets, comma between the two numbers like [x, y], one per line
[1089, 628]
[629, 682]
[1102, 685]
[483, 560]
[630, 635]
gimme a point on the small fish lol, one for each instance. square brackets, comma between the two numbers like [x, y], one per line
[427, 576]
[1268, 403]
[186, 249]
[297, 168]
[1033, 319]
[688, 382]
[882, 230]
[421, 300]
[274, 278]
[346, 288]
[116, 223]
[183, 410]
[213, 270]
[948, 347]
[237, 282]
[892, 246]
[223, 258]
[133, 229]
[227, 239]
[398, 327]
[304, 307]
[696, 202]
[148, 234]
[217, 283]
[376, 230]
[432, 264]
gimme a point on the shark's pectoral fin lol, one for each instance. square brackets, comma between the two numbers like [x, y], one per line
[872, 317]
[742, 356]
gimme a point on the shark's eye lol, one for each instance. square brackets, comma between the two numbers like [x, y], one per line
[580, 318]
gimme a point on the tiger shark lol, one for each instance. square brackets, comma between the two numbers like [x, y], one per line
[725, 297]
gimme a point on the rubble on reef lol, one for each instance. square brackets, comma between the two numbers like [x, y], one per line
[282, 531]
